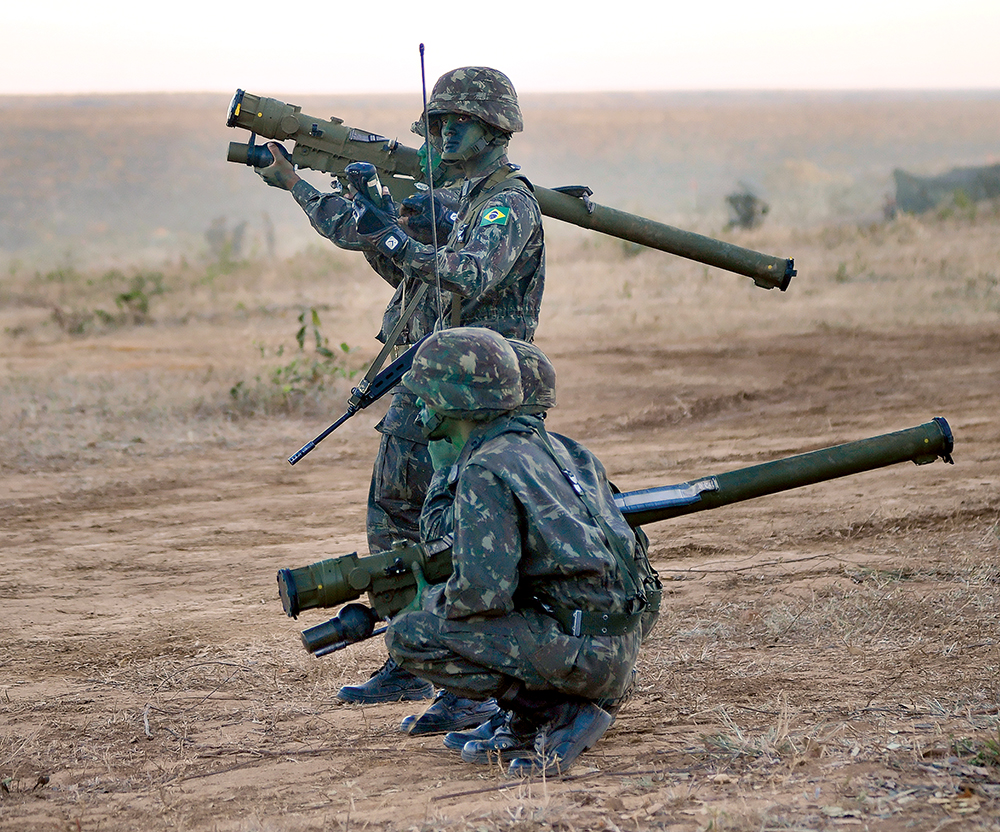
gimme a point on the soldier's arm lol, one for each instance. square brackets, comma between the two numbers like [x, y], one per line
[330, 214]
[488, 254]
[487, 548]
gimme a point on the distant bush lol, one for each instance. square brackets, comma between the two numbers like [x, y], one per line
[131, 298]
[303, 381]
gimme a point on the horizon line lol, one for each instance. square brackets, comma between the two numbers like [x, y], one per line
[530, 93]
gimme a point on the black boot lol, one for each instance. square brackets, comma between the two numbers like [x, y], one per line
[456, 740]
[513, 738]
[449, 713]
[573, 727]
[390, 683]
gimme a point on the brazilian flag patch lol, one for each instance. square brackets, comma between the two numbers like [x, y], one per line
[495, 216]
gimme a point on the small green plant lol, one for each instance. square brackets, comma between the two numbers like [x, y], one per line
[988, 754]
[306, 377]
[132, 303]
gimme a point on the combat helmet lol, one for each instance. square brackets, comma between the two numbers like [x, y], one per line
[538, 377]
[478, 91]
[466, 372]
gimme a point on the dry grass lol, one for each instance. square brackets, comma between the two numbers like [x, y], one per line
[828, 659]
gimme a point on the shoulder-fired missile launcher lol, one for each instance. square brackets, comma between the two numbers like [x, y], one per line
[388, 577]
[329, 146]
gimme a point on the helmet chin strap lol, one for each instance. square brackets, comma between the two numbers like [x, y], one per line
[491, 138]
[469, 153]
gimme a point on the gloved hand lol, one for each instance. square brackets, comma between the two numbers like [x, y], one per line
[377, 225]
[415, 215]
[418, 600]
[280, 173]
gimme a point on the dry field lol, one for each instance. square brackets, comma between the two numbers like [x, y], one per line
[827, 658]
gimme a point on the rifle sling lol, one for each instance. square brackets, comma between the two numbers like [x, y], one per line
[390, 343]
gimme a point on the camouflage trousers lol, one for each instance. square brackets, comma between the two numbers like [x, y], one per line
[400, 478]
[476, 658]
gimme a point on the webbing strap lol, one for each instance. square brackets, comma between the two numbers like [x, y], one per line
[586, 622]
[390, 342]
[502, 179]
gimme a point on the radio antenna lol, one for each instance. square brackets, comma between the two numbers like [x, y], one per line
[429, 176]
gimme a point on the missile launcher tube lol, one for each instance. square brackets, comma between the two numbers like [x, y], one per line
[328, 146]
[388, 578]
[920, 445]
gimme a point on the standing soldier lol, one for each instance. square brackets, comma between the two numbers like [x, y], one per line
[491, 270]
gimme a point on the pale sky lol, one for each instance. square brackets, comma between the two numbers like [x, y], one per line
[344, 46]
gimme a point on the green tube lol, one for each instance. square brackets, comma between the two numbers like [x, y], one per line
[921, 444]
[328, 145]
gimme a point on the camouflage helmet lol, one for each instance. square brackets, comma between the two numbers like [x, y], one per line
[538, 377]
[478, 91]
[466, 373]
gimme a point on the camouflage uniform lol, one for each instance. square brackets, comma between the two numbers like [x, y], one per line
[538, 394]
[524, 542]
[493, 262]
[402, 468]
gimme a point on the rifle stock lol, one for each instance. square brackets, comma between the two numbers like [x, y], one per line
[329, 146]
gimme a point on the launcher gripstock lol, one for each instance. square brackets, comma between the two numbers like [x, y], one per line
[329, 146]
[388, 577]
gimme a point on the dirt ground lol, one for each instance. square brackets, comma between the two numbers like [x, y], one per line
[827, 658]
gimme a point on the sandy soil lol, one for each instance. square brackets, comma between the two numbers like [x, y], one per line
[827, 658]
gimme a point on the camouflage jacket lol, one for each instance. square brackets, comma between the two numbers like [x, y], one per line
[501, 266]
[494, 259]
[332, 215]
[522, 538]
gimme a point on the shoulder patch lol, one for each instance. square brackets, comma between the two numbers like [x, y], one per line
[495, 216]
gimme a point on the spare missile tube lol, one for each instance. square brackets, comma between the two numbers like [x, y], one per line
[329, 146]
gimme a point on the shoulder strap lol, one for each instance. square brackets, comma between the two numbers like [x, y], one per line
[503, 179]
[624, 559]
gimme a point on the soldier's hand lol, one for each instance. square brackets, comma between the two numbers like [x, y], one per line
[418, 600]
[415, 216]
[377, 225]
[280, 173]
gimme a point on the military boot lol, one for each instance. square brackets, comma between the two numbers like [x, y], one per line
[613, 706]
[515, 737]
[449, 713]
[390, 683]
[573, 727]
[456, 740]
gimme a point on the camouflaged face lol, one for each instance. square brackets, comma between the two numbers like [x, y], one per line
[538, 377]
[466, 373]
[478, 91]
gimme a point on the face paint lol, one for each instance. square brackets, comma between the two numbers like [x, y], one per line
[463, 137]
[431, 421]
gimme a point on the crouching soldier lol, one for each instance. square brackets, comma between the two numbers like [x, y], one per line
[543, 608]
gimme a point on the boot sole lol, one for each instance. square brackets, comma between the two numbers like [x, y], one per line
[485, 758]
